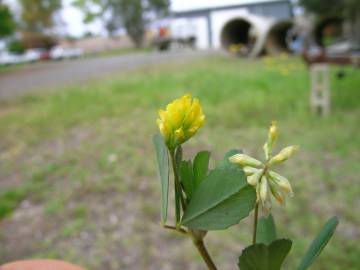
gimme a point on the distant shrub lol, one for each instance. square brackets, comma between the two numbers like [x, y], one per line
[16, 46]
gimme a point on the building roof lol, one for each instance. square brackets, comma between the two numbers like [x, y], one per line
[185, 6]
[277, 8]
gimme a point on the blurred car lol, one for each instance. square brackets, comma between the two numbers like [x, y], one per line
[45, 54]
[32, 55]
[7, 58]
[58, 53]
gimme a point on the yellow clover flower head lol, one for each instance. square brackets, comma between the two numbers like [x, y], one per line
[259, 174]
[180, 121]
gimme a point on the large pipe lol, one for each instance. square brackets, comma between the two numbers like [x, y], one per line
[328, 30]
[246, 35]
[279, 37]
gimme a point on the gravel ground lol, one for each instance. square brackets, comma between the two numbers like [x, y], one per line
[51, 75]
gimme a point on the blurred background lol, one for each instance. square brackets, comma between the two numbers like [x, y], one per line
[80, 85]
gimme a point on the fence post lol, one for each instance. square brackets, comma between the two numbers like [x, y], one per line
[320, 89]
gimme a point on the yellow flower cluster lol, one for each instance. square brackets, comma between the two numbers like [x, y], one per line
[235, 48]
[260, 175]
[180, 121]
[281, 64]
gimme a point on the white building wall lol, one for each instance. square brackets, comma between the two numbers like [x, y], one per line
[187, 27]
[261, 16]
[260, 13]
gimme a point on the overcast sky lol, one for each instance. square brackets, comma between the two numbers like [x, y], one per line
[72, 18]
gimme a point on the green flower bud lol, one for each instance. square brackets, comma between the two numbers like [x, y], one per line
[264, 190]
[250, 170]
[273, 133]
[277, 192]
[255, 178]
[245, 160]
[284, 154]
[267, 150]
[272, 137]
[264, 193]
[282, 182]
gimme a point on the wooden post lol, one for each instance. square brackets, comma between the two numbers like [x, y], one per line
[320, 89]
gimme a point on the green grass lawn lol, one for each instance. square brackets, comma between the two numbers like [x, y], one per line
[77, 168]
[120, 51]
[10, 68]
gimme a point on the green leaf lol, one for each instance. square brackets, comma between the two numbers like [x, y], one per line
[266, 230]
[192, 175]
[319, 243]
[222, 200]
[186, 176]
[163, 167]
[200, 167]
[265, 257]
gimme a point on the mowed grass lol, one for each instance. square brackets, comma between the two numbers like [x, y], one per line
[80, 161]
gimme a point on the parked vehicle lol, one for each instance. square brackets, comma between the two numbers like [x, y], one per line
[9, 59]
[31, 55]
[44, 54]
[58, 53]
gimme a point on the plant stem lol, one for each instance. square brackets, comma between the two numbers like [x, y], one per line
[178, 191]
[173, 228]
[179, 198]
[256, 214]
[199, 243]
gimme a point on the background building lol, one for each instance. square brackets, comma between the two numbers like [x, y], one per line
[215, 26]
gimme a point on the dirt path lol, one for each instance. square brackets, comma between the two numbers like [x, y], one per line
[51, 75]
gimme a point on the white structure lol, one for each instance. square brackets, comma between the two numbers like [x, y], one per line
[246, 22]
[320, 89]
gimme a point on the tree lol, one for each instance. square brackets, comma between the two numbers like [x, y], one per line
[7, 23]
[323, 7]
[16, 47]
[348, 9]
[38, 16]
[133, 15]
[36, 19]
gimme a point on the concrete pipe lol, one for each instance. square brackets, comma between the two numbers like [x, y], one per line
[328, 31]
[279, 37]
[245, 35]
